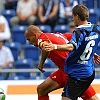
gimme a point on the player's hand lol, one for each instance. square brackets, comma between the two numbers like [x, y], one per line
[96, 59]
[40, 67]
[48, 46]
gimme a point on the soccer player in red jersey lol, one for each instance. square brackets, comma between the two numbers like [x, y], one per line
[57, 79]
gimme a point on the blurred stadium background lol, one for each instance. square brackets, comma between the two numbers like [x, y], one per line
[27, 57]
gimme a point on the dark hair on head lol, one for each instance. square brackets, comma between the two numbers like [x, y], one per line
[82, 11]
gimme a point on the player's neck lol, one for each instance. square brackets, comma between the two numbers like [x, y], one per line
[82, 23]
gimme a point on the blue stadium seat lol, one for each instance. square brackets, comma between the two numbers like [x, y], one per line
[46, 74]
[45, 28]
[2, 78]
[97, 77]
[61, 28]
[23, 23]
[31, 52]
[8, 14]
[18, 34]
[24, 64]
[48, 64]
[93, 18]
[78, 1]
[88, 3]
[34, 78]
[15, 48]
[99, 4]
[16, 78]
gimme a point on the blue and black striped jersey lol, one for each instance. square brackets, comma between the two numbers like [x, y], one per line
[79, 63]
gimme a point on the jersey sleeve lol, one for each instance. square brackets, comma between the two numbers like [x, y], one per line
[98, 28]
[77, 38]
[42, 40]
[73, 40]
[68, 36]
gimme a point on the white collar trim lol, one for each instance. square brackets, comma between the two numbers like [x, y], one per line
[85, 25]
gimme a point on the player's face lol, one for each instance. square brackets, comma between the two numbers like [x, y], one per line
[31, 39]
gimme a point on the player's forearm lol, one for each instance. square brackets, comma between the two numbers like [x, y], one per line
[44, 55]
[62, 47]
[65, 47]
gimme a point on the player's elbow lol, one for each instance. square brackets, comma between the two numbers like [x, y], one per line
[70, 48]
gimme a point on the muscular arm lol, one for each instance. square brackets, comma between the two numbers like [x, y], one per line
[44, 55]
[64, 47]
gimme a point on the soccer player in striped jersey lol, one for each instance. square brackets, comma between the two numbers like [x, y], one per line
[57, 79]
[79, 63]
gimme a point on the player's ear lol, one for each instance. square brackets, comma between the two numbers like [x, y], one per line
[34, 34]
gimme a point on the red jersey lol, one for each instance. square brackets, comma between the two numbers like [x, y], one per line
[68, 35]
[57, 57]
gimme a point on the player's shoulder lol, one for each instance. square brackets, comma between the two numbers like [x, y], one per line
[98, 27]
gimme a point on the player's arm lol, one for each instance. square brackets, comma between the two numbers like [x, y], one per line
[44, 55]
[63, 47]
[96, 59]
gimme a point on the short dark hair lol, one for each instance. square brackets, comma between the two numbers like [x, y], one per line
[82, 11]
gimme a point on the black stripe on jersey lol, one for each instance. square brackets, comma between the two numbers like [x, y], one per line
[95, 29]
[78, 32]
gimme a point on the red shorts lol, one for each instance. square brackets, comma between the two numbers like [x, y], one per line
[88, 93]
[61, 78]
